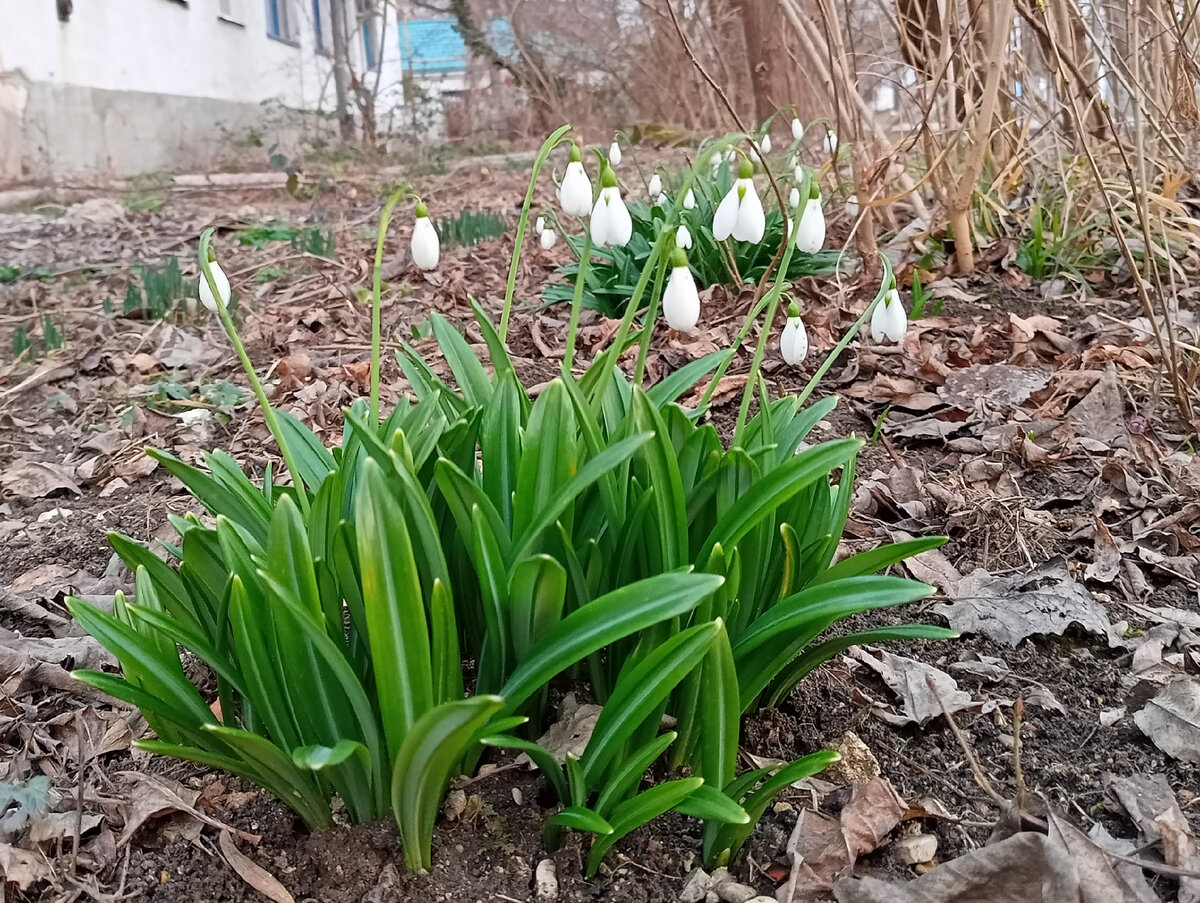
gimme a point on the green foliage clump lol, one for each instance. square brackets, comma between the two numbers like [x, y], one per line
[470, 227]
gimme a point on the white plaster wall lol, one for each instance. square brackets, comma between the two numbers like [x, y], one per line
[128, 86]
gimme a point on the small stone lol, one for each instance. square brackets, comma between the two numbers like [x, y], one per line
[729, 890]
[711, 897]
[858, 764]
[764, 899]
[518, 796]
[545, 881]
[455, 805]
[915, 849]
[695, 886]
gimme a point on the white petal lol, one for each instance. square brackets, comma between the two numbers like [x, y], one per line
[794, 198]
[681, 302]
[797, 129]
[222, 281]
[614, 154]
[793, 343]
[831, 141]
[689, 200]
[599, 221]
[575, 192]
[765, 144]
[620, 223]
[655, 187]
[661, 200]
[751, 222]
[540, 226]
[852, 206]
[549, 238]
[879, 322]
[726, 215]
[812, 228]
[683, 237]
[425, 245]
[897, 321]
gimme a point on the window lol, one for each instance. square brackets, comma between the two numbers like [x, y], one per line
[366, 15]
[279, 20]
[230, 11]
[322, 16]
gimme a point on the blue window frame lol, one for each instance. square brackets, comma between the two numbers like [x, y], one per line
[279, 23]
[369, 42]
[319, 28]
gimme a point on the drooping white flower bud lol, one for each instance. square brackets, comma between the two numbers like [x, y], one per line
[611, 225]
[425, 244]
[681, 300]
[831, 141]
[793, 343]
[794, 198]
[548, 239]
[575, 190]
[812, 224]
[614, 154]
[740, 212]
[889, 322]
[661, 200]
[689, 200]
[797, 130]
[683, 237]
[765, 144]
[540, 226]
[206, 296]
[654, 189]
[852, 206]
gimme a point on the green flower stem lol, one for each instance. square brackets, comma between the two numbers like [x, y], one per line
[577, 301]
[248, 366]
[639, 371]
[522, 224]
[385, 219]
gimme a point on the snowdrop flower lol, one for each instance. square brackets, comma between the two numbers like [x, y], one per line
[797, 129]
[689, 200]
[794, 198]
[206, 296]
[611, 224]
[425, 244]
[575, 190]
[614, 154]
[740, 212]
[831, 141]
[889, 322]
[540, 226]
[661, 200]
[681, 301]
[852, 206]
[812, 224]
[765, 143]
[793, 343]
[548, 238]
[683, 237]
[655, 187]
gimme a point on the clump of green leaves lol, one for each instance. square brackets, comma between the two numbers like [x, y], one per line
[162, 289]
[470, 227]
[315, 241]
[9, 273]
[261, 236]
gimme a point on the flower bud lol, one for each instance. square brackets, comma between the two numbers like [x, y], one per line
[689, 200]
[765, 143]
[654, 189]
[548, 239]
[683, 237]
[797, 130]
[540, 225]
[222, 281]
[614, 154]
[425, 246]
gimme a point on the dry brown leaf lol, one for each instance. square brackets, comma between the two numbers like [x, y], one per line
[153, 797]
[38, 479]
[253, 873]
[21, 867]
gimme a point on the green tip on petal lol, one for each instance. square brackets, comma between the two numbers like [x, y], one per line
[678, 258]
[421, 209]
[608, 178]
[793, 309]
[745, 169]
[576, 156]
[814, 192]
[212, 255]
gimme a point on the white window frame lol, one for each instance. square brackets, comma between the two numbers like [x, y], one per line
[231, 11]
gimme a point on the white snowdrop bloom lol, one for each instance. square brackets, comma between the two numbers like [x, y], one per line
[797, 130]
[683, 237]
[548, 238]
[794, 198]
[206, 296]
[812, 225]
[765, 143]
[575, 190]
[661, 200]
[889, 321]
[681, 300]
[425, 245]
[614, 154]
[689, 200]
[852, 207]
[654, 189]
[540, 226]
[611, 224]
[831, 141]
[793, 343]
[740, 212]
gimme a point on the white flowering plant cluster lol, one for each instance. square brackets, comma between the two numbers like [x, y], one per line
[600, 531]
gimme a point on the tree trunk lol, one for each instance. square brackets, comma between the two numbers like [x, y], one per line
[763, 25]
[337, 15]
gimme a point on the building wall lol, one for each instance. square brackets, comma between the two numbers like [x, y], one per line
[132, 86]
